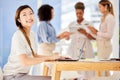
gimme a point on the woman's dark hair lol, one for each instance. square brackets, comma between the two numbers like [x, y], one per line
[108, 4]
[19, 25]
[44, 12]
[80, 5]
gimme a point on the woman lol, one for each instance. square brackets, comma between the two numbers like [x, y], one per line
[105, 33]
[46, 32]
[80, 45]
[23, 52]
[78, 39]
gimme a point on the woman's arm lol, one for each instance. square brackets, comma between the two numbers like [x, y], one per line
[93, 30]
[110, 21]
[89, 36]
[65, 35]
[28, 61]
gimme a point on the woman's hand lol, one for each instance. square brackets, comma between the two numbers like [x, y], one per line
[67, 38]
[90, 37]
[65, 35]
[53, 57]
[82, 31]
[86, 34]
[93, 30]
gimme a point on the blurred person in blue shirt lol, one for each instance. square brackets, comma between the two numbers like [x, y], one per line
[46, 32]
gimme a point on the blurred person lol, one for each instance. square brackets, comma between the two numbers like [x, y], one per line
[46, 32]
[106, 29]
[79, 37]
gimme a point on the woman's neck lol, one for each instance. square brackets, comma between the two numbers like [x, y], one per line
[27, 30]
[79, 21]
[104, 16]
[48, 21]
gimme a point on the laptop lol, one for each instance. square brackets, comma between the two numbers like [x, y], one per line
[110, 59]
[79, 57]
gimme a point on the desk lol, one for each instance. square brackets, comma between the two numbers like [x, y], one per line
[80, 65]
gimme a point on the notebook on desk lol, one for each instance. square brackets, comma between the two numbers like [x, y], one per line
[115, 59]
[79, 57]
[111, 59]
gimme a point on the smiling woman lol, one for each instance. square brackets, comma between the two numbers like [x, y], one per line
[6, 25]
[23, 51]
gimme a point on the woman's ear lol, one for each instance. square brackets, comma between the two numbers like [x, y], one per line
[19, 20]
[106, 7]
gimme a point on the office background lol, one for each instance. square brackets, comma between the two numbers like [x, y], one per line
[64, 14]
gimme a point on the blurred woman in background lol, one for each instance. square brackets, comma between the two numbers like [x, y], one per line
[106, 29]
[46, 32]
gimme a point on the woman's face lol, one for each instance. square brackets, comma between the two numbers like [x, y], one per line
[26, 17]
[52, 12]
[102, 8]
[79, 14]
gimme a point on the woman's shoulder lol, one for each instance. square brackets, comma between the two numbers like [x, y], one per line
[43, 22]
[110, 16]
[17, 35]
[85, 22]
[72, 23]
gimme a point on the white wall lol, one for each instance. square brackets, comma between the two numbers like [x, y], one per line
[115, 40]
[39, 3]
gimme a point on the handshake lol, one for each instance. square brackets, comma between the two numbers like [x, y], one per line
[88, 35]
[64, 35]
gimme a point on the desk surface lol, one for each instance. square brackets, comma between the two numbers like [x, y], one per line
[97, 66]
[86, 65]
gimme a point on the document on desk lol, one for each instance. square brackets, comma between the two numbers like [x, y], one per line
[98, 60]
[111, 59]
[89, 60]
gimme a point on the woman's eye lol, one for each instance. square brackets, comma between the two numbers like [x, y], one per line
[31, 13]
[24, 14]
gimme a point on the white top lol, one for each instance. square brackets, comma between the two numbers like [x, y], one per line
[74, 26]
[106, 29]
[19, 46]
[77, 40]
